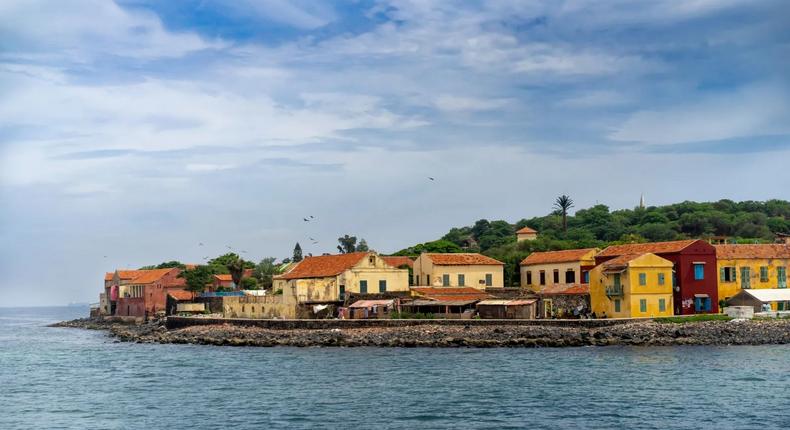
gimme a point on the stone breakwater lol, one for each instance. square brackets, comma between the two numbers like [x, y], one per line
[642, 333]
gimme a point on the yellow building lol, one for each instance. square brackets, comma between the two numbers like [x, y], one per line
[632, 286]
[751, 267]
[526, 233]
[329, 278]
[458, 270]
[571, 266]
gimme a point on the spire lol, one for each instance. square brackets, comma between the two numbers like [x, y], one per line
[642, 201]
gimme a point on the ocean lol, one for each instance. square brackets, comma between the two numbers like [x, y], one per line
[59, 378]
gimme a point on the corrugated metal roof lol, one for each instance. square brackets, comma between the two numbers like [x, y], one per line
[419, 302]
[770, 294]
[519, 302]
[371, 303]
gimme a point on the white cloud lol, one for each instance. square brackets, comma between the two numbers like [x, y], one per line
[207, 167]
[460, 103]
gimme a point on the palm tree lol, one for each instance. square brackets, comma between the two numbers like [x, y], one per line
[236, 268]
[561, 206]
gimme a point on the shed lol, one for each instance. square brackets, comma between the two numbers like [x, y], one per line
[364, 309]
[778, 299]
[507, 309]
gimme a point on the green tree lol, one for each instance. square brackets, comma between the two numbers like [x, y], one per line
[297, 256]
[197, 279]
[363, 246]
[265, 271]
[250, 284]
[236, 268]
[562, 205]
[348, 244]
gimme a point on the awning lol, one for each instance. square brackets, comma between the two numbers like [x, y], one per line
[701, 296]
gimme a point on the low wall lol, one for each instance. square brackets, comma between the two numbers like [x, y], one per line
[266, 307]
[289, 324]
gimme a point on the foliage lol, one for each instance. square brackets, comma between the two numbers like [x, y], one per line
[236, 268]
[411, 316]
[265, 271]
[362, 246]
[297, 256]
[165, 265]
[435, 246]
[197, 279]
[250, 284]
[348, 244]
[562, 205]
[219, 265]
[693, 318]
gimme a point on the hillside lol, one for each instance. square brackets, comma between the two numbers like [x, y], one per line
[747, 221]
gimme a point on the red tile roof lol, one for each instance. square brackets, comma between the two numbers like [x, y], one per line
[566, 289]
[127, 274]
[565, 256]
[463, 259]
[180, 295]
[324, 266]
[224, 277]
[150, 276]
[397, 261]
[108, 276]
[642, 248]
[450, 293]
[619, 262]
[525, 230]
[768, 251]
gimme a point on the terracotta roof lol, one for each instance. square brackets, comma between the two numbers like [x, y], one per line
[525, 230]
[223, 277]
[150, 276]
[462, 259]
[180, 295]
[108, 276]
[620, 262]
[323, 266]
[727, 252]
[397, 261]
[126, 274]
[642, 248]
[556, 256]
[566, 289]
[450, 293]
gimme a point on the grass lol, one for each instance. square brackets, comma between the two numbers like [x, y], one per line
[693, 318]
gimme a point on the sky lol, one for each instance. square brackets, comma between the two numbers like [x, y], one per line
[133, 131]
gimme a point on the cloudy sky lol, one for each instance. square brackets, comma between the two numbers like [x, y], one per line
[132, 131]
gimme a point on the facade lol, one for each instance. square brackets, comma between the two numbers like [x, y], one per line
[542, 269]
[566, 301]
[328, 278]
[445, 302]
[744, 267]
[695, 286]
[372, 309]
[398, 261]
[526, 233]
[458, 270]
[146, 294]
[632, 286]
[225, 280]
[523, 309]
[765, 300]
[258, 307]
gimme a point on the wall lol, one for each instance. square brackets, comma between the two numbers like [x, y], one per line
[649, 264]
[474, 274]
[563, 305]
[130, 306]
[574, 266]
[266, 307]
[520, 237]
[730, 289]
[684, 299]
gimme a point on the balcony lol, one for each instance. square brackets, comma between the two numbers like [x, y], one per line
[614, 290]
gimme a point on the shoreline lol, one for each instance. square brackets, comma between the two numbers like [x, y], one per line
[636, 333]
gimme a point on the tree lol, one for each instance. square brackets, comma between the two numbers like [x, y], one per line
[236, 268]
[165, 265]
[220, 264]
[363, 246]
[348, 244]
[265, 271]
[561, 206]
[297, 257]
[197, 279]
[249, 284]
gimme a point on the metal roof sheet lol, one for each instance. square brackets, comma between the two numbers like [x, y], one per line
[770, 294]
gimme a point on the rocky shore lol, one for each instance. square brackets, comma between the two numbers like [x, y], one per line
[643, 333]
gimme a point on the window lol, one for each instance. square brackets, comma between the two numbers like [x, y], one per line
[556, 276]
[372, 260]
[764, 274]
[662, 305]
[446, 280]
[461, 280]
[617, 305]
[701, 304]
[616, 279]
[382, 285]
[699, 271]
[661, 279]
[542, 277]
[363, 286]
[489, 279]
[780, 306]
[781, 277]
[416, 279]
[570, 276]
[342, 292]
[728, 274]
[529, 277]
[428, 280]
[643, 279]
[642, 305]
[586, 277]
[746, 278]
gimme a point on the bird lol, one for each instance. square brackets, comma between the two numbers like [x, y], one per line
[431, 178]
[311, 217]
[105, 256]
[306, 220]
[205, 258]
[228, 246]
[308, 238]
[200, 244]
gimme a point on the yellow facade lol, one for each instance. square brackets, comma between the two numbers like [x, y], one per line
[750, 273]
[370, 276]
[531, 273]
[480, 276]
[645, 288]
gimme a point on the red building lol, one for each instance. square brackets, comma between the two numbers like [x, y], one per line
[224, 280]
[695, 286]
[146, 294]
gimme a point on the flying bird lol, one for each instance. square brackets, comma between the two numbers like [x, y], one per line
[431, 178]
[205, 258]
[311, 217]
[228, 246]
[105, 256]
[200, 244]
[306, 220]
[308, 238]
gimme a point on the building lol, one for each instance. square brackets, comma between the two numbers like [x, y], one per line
[775, 300]
[398, 261]
[541, 269]
[524, 309]
[632, 286]
[328, 278]
[445, 302]
[458, 270]
[145, 295]
[565, 301]
[694, 280]
[372, 309]
[526, 233]
[743, 267]
[225, 281]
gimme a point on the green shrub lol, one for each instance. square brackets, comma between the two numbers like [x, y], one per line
[411, 316]
[693, 318]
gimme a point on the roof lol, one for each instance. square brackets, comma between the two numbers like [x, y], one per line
[458, 302]
[371, 303]
[769, 294]
[773, 250]
[108, 276]
[127, 274]
[180, 295]
[450, 293]
[462, 259]
[150, 276]
[323, 266]
[398, 261]
[566, 289]
[620, 262]
[642, 248]
[224, 277]
[556, 256]
[520, 302]
[526, 230]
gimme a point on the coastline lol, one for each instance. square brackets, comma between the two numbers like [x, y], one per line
[636, 333]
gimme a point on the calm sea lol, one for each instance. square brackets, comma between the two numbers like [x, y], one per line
[70, 378]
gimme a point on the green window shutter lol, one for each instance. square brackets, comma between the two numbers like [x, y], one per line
[642, 305]
[363, 287]
[383, 286]
[734, 274]
[721, 274]
[662, 305]
[617, 305]
[642, 279]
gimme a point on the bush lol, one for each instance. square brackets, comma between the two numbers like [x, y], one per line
[693, 318]
[411, 316]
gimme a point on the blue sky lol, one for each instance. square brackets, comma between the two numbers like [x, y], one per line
[131, 131]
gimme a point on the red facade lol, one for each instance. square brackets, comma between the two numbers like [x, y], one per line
[156, 292]
[690, 295]
[130, 307]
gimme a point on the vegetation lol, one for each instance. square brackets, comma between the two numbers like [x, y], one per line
[297, 256]
[693, 318]
[348, 244]
[265, 271]
[561, 206]
[197, 279]
[165, 265]
[250, 284]
[411, 316]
